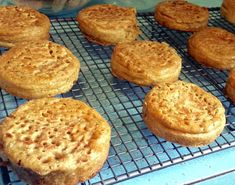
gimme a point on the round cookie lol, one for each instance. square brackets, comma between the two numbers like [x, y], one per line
[213, 47]
[228, 9]
[230, 85]
[181, 15]
[18, 24]
[38, 69]
[183, 113]
[55, 141]
[108, 24]
[145, 62]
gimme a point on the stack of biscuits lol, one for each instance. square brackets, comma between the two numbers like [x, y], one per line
[19, 24]
[228, 9]
[108, 24]
[55, 141]
[181, 15]
[38, 69]
[213, 47]
[59, 141]
[146, 62]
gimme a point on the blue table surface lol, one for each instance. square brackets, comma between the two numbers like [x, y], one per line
[207, 169]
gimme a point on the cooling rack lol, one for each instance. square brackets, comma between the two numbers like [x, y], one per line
[134, 149]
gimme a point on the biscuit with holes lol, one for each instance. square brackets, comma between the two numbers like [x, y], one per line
[38, 69]
[55, 141]
[18, 24]
[230, 85]
[108, 24]
[184, 113]
[213, 47]
[181, 15]
[145, 62]
[228, 10]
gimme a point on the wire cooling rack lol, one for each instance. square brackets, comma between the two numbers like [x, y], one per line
[134, 149]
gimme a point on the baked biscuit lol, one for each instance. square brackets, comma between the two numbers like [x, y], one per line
[213, 47]
[108, 24]
[38, 69]
[183, 113]
[228, 10]
[145, 62]
[18, 24]
[230, 85]
[55, 141]
[181, 15]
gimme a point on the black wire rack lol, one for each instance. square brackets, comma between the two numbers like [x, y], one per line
[134, 149]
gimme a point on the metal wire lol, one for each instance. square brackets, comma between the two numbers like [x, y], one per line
[134, 149]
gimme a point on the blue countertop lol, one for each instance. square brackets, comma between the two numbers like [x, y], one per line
[212, 169]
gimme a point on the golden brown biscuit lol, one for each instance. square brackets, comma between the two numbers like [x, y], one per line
[213, 47]
[181, 15]
[146, 62]
[230, 85]
[54, 141]
[38, 69]
[18, 24]
[108, 24]
[183, 113]
[228, 10]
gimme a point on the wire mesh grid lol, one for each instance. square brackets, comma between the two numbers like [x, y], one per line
[134, 149]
